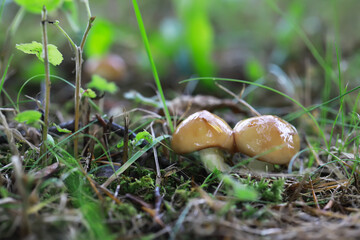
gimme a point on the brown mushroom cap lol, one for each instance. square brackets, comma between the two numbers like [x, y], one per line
[202, 130]
[269, 137]
[112, 67]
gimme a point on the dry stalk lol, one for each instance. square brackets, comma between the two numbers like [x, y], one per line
[43, 147]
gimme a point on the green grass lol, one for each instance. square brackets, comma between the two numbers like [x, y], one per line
[152, 63]
[131, 201]
[5, 73]
[2, 8]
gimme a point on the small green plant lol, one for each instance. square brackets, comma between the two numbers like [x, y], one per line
[36, 48]
[242, 192]
[78, 49]
[136, 143]
[29, 117]
[269, 190]
[46, 53]
[102, 85]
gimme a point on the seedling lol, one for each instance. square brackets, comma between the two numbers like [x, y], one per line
[102, 85]
[78, 66]
[48, 54]
[29, 117]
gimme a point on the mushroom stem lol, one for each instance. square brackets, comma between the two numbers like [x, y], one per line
[213, 158]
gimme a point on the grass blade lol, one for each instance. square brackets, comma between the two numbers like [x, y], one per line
[133, 159]
[2, 8]
[4, 75]
[152, 63]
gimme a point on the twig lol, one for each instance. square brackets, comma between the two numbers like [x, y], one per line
[182, 217]
[110, 194]
[79, 60]
[20, 184]
[242, 101]
[78, 64]
[47, 86]
[90, 23]
[158, 201]
[9, 135]
[316, 156]
[126, 138]
[156, 159]
[73, 45]
[313, 193]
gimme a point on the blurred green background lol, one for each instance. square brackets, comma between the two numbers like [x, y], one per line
[289, 45]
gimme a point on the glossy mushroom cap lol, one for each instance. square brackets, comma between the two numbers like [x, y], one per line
[269, 137]
[202, 130]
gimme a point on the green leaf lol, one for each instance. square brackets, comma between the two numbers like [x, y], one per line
[101, 84]
[55, 56]
[29, 116]
[60, 129]
[144, 135]
[50, 140]
[89, 93]
[36, 48]
[31, 48]
[36, 6]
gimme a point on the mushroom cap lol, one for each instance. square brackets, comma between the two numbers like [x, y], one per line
[269, 137]
[202, 130]
[112, 67]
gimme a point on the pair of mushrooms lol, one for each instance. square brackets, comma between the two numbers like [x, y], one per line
[268, 138]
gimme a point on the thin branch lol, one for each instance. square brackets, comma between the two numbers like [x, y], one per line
[57, 24]
[242, 101]
[77, 97]
[90, 23]
[158, 173]
[47, 84]
[87, 5]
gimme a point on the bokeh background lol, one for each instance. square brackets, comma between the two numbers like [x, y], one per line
[294, 46]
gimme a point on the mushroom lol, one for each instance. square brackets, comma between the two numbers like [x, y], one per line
[112, 67]
[269, 138]
[207, 133]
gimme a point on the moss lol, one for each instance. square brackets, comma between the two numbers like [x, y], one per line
[268, 189]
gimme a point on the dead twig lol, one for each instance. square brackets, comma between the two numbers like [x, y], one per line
[242, 101]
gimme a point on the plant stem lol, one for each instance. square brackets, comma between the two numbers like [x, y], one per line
[240, 100]
[47, 85]
[90, 22]
[87, 5]
[152, 63]
[57, 24]
[78, 66]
